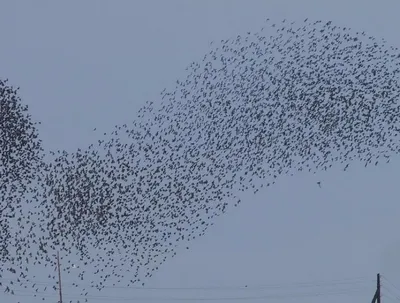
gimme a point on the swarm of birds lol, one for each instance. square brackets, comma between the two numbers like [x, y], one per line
[20, 160]
[288, 98]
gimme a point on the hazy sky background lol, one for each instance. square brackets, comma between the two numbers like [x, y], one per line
[85, 64]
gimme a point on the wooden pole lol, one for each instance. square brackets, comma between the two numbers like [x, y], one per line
[59, 276]
[377, 295]
[378, 288]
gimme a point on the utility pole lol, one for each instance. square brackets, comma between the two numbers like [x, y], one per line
[378, 288]
[59, 276]
[377, 295]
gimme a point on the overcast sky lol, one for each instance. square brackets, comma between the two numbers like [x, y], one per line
[85, 64]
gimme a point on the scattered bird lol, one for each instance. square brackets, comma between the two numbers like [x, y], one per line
[303, 98]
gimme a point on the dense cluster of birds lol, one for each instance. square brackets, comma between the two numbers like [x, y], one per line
[20, 158]
[289, 98]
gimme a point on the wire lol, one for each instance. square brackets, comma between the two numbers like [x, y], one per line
[394, 300]
[244, 298]
[392, 284]
[346, 281]
[395, 297]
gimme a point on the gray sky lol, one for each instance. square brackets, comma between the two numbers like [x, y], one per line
[86, 64]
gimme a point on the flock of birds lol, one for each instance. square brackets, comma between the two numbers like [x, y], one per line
[20, 157]
[288, 98]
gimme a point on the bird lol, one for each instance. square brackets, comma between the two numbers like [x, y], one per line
[254, 108]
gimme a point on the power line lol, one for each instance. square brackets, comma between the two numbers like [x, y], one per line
[351, 290]
[389, 291]
[394, 300]
[243, 298]
[391, 283]
[395, 296]
[345, 281]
